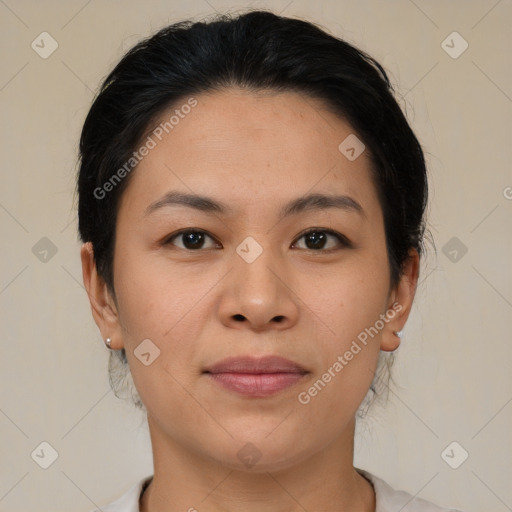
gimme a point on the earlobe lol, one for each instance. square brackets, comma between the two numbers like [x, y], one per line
[102, 305]
[401, 300]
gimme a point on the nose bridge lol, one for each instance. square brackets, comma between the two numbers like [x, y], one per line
[256, 270]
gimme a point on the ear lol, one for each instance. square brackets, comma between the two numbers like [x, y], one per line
[400, 302]
[104, 309]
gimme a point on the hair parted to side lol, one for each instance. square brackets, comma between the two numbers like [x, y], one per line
[257, 50]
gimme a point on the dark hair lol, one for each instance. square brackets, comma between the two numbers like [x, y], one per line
[257, 50]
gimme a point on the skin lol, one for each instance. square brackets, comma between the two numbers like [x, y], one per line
[254, 152]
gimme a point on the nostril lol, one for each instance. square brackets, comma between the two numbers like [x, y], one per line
[241, 318]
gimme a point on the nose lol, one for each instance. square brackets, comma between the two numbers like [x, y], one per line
[258, 295]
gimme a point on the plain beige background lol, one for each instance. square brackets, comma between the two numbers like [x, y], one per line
[453, 368]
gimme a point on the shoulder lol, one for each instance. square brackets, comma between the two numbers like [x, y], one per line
[389, 500]
[129, 501]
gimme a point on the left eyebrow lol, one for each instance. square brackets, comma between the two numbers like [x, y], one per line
[313, 202]
[206, 204]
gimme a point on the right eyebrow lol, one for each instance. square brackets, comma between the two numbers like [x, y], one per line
[201, 203]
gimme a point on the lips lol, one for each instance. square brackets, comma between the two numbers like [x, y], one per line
[256, 377]
[247, 364]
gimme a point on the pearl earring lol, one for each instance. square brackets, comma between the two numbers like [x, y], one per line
[398, 333]
[108, 341]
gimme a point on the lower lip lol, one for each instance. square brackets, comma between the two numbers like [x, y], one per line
[256, 384]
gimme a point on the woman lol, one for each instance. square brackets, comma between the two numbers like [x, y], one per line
[251, 202]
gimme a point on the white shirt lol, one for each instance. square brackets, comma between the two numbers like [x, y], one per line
[386, 498]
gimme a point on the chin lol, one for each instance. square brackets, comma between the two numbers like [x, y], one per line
[261, 453]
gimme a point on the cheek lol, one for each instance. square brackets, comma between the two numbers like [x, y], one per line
[348, 307]
[151, 300]
[169, 308]
[349, 299]
[152, 308]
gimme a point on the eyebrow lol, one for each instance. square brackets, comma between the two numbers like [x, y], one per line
[310, 202]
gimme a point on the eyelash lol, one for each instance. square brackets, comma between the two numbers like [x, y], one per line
[342, 239]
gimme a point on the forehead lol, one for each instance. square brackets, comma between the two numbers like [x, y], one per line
[250, 148]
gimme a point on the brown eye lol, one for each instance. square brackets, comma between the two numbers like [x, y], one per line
[191, 239]
[318, 239]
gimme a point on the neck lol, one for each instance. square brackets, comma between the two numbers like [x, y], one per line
[185, 480]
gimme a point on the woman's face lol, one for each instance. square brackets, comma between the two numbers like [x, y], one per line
[253, 284]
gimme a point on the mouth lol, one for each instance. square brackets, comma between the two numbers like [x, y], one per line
[256, 377]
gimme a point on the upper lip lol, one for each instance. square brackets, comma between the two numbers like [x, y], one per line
[250, 364]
